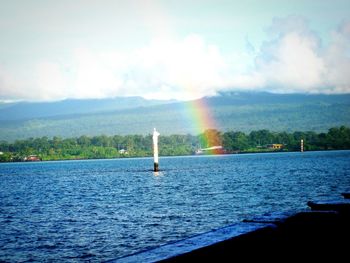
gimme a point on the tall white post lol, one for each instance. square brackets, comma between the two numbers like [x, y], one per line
[155, 149]
[301, 145]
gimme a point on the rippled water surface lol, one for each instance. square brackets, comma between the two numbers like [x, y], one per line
[98, 210]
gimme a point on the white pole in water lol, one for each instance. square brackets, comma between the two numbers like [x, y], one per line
[301, 145]
[155, 149]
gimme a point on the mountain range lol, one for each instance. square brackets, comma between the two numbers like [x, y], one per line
[238, 111]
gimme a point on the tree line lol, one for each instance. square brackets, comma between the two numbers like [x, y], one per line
[86, 147]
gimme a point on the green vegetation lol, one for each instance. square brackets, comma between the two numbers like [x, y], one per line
[244, 112]
[117, 146]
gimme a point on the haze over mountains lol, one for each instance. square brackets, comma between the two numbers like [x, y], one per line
[242, 111]
[30, 110]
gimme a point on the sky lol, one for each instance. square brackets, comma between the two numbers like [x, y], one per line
[78, 49]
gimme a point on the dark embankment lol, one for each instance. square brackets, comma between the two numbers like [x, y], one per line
[320, 232]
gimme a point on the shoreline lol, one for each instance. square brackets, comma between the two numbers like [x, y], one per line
[170, 156]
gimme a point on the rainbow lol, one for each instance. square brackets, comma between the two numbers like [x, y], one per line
[204, 125]
[201, 115]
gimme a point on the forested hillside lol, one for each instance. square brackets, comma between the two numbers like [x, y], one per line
[232, 111]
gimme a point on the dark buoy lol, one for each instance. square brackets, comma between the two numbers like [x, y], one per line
[156, 169]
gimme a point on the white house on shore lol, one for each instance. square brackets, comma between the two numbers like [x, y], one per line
[211, 150]
[123, 151]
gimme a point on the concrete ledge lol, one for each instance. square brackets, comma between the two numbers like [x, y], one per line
[346, 195]
[316, 234]
[271, 218]
[342, 205]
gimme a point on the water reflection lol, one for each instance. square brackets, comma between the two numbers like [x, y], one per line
[156, 174]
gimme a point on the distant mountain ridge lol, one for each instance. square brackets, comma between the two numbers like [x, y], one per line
[30, 110]
[239, 111]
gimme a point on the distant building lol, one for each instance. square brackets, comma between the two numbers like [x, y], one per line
[32, 158]
[276, 146]
[211, 150]
[123, 151]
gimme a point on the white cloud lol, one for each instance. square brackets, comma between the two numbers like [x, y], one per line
[95, 75]
[337, 59]
[291, 60]
[165, 69]
[50, 82]
[13, 88]
[295, 61]
[45, 81]
[187, 69]
[292, 63]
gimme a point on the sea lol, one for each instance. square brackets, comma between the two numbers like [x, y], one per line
[98, 210]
